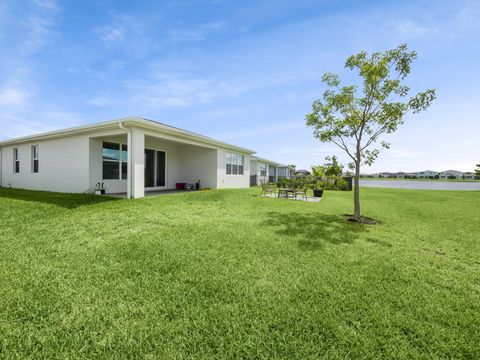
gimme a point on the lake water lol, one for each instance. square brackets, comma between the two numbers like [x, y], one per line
[421, 185]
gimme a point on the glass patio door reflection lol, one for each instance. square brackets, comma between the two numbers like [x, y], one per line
[155, 169]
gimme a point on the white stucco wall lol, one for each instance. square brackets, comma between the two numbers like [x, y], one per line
[199, 164]
[63, 165]
[232, 181]
[74, 164]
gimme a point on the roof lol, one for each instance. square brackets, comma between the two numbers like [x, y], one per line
[129, 121]
[271, 162]
[451, 171]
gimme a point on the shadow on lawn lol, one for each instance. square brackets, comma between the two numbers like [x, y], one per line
[68, 201]
[314, 230]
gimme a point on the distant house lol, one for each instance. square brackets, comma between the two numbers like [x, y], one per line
[264, 170]
[387, 175]
[470, 176]
[302, 173]
[450, 174]
[427, 174]
[410, 175]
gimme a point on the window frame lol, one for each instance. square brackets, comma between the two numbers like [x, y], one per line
[16, 161]
[263, 169]
[123, 151]
[234, 164]
[35, 159]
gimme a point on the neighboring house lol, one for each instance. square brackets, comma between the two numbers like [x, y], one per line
[450, 174]
[302, 173]
[374, 175]
[285, 171]
[130, 155]
[264, 171]
[387, 175]
[470, 176]
[410, 175]
[427, 174]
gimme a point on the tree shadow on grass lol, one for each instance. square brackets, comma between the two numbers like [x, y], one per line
[65, 200]
[314, 230]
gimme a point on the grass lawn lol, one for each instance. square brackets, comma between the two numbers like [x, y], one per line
[226, 274]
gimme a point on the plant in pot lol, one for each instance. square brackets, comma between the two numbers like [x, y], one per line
[100, 189]
[318, 189]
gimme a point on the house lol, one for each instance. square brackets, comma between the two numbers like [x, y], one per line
[410, 175]
[388, 175]
[263, 170]
[427, 174]
[450, 174]
[302, 173]
[470, 176]
[130, 155]
[285, 171]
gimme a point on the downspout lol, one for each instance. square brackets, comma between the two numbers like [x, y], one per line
[129, 160]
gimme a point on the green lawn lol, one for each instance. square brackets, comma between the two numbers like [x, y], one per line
[226, 274]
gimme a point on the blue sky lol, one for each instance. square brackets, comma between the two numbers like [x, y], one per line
[245, 72]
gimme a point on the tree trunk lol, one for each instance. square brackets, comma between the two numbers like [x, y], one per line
[356, 192]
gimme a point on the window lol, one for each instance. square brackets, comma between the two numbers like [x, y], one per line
[16, 161]
[35, 158]
[114, 161]
[234, 164]
[263, 170]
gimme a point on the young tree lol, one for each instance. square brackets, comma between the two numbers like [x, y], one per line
[332, 166]
[318, 171]
[354, 117]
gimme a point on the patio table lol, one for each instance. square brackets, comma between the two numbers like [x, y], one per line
[284, 192]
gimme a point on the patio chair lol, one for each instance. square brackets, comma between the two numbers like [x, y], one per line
[302, 192]
[267, 189]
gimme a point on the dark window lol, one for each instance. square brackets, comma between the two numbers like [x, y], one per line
[110, 170]
[16, 161]
[35, 158]
[124, 156]
[113, 165]
[229, 169]
[124, 171]
[161, 169]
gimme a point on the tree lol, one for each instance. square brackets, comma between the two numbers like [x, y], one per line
[354, 117]
[318, 171]
[332, 167]
[477, 170]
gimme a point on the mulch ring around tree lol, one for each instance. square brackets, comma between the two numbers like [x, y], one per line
[363, 220]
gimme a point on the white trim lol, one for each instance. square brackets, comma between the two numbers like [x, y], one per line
[131, 121]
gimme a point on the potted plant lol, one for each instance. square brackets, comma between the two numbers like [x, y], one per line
[100, 189]
[318, 189]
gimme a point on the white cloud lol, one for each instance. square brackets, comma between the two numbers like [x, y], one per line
[49, 5]
[178, 90]
[12, 96]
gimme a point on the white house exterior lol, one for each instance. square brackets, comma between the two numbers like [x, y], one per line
[450, 174]
[427, 174]
[470, 176]
[264, 171]
[130, 155]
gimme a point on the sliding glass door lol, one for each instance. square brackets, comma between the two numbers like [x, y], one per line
[155, 169]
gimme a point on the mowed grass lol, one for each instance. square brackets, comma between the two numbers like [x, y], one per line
[226, 274]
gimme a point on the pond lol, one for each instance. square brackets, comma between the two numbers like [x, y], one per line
[422, 185]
